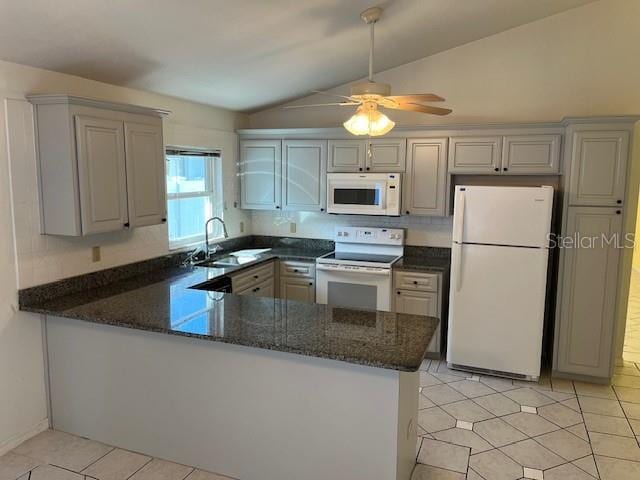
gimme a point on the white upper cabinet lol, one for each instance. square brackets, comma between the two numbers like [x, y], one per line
[475, 154]
[598, 167]
[260, 174]
[531, 154]
[425, 183]
[379, 155]
[304, 173]
[346, 156]
[102, 174]
[145, 175]
[385, 155]
[101, 165]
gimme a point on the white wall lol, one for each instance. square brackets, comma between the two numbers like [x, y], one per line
[578, 63]
[35, 259]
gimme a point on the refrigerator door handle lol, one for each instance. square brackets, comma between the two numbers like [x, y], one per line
[459, 216]
[456, 268]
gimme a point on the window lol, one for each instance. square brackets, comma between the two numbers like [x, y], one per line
[194, 194]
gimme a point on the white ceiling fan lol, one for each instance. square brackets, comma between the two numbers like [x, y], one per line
[370, 95]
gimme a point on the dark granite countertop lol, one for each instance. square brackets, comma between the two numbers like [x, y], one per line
[423, 264]
[162, 301]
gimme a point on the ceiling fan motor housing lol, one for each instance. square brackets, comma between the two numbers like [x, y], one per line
[371, 88]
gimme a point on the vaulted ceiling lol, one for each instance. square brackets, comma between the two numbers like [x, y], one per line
[244, 54]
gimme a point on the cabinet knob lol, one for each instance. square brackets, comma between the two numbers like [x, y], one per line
[415, 282]
[407, 212]
[311, 283]
[368, 168]
[127, 225]
[322, 209]
[296, 270]
[164, 220]
[497, 169]
[398, 292]
[618, 202]
[360, 169]
[256, 276]
[277, 206]
[256, 289]
[505, 169]
[618, 212]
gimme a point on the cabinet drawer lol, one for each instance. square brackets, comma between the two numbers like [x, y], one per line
[252, 277]
[262, 289]
[426, 282]
[290, 268]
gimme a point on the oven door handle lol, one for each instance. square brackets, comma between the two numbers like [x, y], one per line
[380, 272]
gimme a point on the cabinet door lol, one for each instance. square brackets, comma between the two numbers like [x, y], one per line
[598, 167]
[102, 174]
[425, 183]
[475, 154]
[386, 155]
[420, 303]
[304, 175]
[298, 289]
[260, 174]
[146, 183]
[531, 154]
[588, 293]
[346, 156]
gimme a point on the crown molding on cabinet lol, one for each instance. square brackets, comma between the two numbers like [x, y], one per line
[92, 102]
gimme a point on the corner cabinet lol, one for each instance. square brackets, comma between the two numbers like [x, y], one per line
[588, 288]
[101, 165]
[425, 183]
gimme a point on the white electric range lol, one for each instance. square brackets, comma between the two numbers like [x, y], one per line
[358, 273]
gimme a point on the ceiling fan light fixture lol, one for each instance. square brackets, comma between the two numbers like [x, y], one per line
[368, 120]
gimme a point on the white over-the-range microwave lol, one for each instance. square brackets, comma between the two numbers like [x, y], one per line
[364, 193]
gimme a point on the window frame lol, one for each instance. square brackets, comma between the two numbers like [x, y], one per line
[212, 169]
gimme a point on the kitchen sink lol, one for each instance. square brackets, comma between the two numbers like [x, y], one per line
[235, 259]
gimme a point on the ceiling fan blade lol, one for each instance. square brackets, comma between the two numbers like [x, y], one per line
[423, 109]
[417, 97]
[321, 105]
[332, 94]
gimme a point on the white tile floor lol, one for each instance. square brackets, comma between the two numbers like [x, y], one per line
[470, 428]
[484, 428]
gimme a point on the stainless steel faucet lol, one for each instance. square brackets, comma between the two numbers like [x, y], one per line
[206, 234]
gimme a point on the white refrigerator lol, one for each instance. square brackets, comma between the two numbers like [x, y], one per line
[499, 257]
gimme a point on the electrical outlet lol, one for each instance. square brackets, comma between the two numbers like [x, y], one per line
[96, 254]
[241, 227]
[292, 227]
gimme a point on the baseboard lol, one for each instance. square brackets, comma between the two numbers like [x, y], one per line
[16, 440]
[581, 378]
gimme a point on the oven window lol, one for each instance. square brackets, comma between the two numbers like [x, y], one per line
[352, 295]
[356, 196]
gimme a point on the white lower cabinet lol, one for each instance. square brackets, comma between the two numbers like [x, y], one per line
[298, 281]
[420, 294]
[258, 281]
[298, 289]
[588, 286]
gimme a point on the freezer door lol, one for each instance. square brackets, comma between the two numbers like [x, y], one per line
[496, 309]
[502, 215]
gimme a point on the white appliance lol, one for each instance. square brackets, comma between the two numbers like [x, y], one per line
[364, 193]
[499, 260]
[358, 273]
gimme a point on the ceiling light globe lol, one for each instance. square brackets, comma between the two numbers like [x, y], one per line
[369, 121]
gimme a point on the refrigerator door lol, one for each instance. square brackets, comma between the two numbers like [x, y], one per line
[496, 310]
[502, 215]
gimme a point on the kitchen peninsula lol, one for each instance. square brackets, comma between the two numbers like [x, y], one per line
[228, 382]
